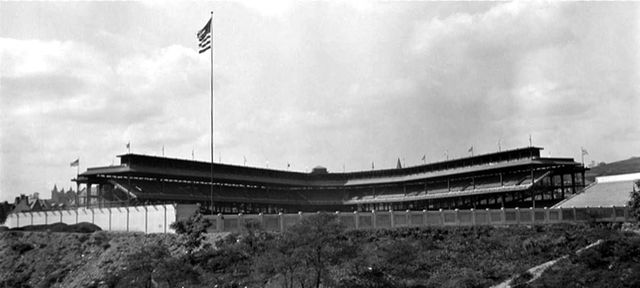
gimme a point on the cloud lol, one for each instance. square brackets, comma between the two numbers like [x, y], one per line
[530, 67]
[61, 98]
[328, 83]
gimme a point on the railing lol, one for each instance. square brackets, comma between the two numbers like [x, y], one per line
[425, 218]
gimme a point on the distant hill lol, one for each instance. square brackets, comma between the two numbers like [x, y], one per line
[631, 165]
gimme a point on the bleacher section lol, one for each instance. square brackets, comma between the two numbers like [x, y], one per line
[602, 194]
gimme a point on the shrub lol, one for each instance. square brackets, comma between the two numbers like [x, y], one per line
[21, 248]
[100, 239]
[194, 228]
[634, 203]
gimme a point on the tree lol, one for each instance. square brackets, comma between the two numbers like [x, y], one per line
[194, 228]
[318, 242]
[634, 203]
[306, 254]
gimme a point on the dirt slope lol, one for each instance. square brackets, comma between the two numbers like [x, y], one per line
[41, 259]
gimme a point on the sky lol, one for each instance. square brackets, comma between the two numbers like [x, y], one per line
[337, 84]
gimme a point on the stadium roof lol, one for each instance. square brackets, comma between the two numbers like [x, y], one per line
[154, 167]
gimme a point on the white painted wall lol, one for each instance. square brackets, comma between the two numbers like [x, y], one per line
[147, 219]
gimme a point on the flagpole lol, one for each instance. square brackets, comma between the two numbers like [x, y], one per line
[77, 183]
[212, 103]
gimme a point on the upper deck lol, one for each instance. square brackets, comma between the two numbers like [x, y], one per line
[137, 165]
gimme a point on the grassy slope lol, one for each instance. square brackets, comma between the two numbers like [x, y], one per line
[614, 263]
[409, 257]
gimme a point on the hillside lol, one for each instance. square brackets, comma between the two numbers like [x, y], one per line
[631, 165]
[317, 253]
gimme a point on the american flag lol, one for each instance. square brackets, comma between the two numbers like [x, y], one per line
[204, 38]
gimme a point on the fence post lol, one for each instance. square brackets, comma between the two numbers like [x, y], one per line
[281, 218]
[392, 218]
[517, 215]
[613, 214]
[546, 215]
[441, 217]
[146, 216]
[407, 218]
[424, 218]
[219, 222]
[488, 213]
[164, 226]
[126, 208]
[532, 212]
[573, 211]
[261, 219]
[356, 220]
[373, 219]
[473, 217]
[626, 214]
[457, 217]
[93, 217]
[503, 216]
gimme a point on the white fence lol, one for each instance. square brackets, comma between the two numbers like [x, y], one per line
[148, 219]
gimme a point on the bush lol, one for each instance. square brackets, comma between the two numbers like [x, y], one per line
[634, 203]
[154, 264]
[194, 228]
[21, 248]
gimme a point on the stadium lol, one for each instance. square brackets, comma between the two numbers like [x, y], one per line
[512, 178]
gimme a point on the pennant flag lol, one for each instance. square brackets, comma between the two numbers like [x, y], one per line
[398, 165]
[204, 38]
[584, 151]
[75, 163]
[128, 145]
[470, 149]
[424, 157]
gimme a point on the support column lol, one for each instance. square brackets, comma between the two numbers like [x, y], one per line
[562, 185]
[99, 196]
[88, 195]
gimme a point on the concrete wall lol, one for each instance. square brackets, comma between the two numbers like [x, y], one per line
[148, 219]
[157, 218]
[394, 219]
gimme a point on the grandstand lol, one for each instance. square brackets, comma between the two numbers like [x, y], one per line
[513, 178]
